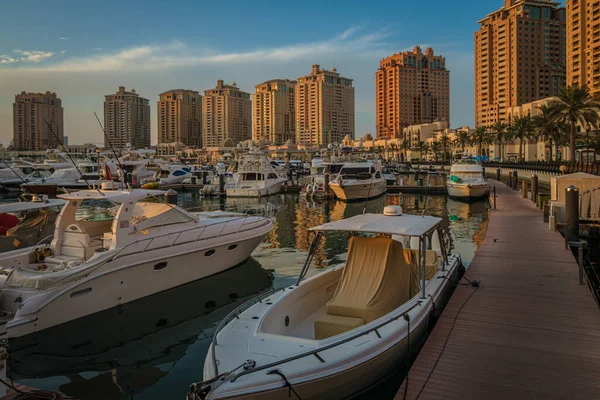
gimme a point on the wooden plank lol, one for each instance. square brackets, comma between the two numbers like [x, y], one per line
[530, 330]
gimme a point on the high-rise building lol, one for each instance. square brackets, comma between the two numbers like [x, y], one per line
[226, 114]
[324, 107]
[583, 44]
[274, 111]
[520, 57]
[411, 88]
[31, 111]
[126, 120]
[179, 114]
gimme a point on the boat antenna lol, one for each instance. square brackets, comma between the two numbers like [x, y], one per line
[113, 149]
[368, 194]
[69, 155]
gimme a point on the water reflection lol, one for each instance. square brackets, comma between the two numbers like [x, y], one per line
[131, 347]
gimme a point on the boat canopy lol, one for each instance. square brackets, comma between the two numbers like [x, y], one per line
[405, 225]
[30, 205]
[116, 196]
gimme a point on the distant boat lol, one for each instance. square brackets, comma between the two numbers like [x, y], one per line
[466, 180]
[257, 176]
[359, 181]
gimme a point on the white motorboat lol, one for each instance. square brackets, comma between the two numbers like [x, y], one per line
[256, 177]
[344, 329]
[169, 174]
[359, 181]
[92, 265]
[390, 176]
[466, 180]
[14, 184]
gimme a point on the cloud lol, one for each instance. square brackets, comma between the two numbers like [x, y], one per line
[4, 59]
[178, 54]
[63, 38]
[33, 56]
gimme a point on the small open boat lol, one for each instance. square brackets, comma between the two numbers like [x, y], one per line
[342, 330]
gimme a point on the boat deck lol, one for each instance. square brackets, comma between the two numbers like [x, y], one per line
[530, 330]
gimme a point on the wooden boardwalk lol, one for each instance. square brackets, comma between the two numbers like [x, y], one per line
[529, 332]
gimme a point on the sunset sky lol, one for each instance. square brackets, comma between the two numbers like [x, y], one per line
[83, 50]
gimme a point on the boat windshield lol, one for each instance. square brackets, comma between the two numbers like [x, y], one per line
[252, 176]
[355, 172]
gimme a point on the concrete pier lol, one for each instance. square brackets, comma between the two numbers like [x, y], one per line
[529, 332]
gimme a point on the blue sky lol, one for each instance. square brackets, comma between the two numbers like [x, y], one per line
[83, 50]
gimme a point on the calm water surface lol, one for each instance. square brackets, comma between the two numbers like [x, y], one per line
[155, 347]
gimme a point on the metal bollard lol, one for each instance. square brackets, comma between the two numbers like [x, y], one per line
[572, 213]
[171, 197]
[498, 174]
[546, 208]
[534, 188]
[495, 197]
[524, 189]
[221, 184]
[580, 259]
[515, 180]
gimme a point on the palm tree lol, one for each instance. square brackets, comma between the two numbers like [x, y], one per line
[462, 139]
[576, 105]
[521, 128]
[445, 142]
[394, 147]
[434, 147]
[548, 126]
[479, 137]
[499, 133]
[405, 146]
[421, 147]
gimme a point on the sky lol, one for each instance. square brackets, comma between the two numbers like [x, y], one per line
[83, 50]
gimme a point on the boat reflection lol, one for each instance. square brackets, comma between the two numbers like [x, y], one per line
[121, 351]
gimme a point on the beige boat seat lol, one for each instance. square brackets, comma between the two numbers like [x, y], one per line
[376, 280]
[77, 243]
[431, 261]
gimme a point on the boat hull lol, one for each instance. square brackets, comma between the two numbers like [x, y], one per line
[355, 379]
[358, 191]
[252, 192]
[130, 278]
[465, 191]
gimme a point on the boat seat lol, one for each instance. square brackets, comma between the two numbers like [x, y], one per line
[77, 243]
[332, 325]
[376, 280]
[431, 261]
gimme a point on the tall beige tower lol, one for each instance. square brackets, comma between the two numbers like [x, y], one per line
[324, 107]
[179, 114]
[226, 114]
[274, 111]
[583, 46]
[30, 113]
[520, 57]
[411, 88]
[127, 120]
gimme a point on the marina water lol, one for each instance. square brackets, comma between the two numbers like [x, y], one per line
[155, 347]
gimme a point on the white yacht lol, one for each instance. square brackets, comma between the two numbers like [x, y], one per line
[14, 184]
[256, 177]
[344, 329]
[466, 180]
[92, 265]
[359, 181]
[169, 174]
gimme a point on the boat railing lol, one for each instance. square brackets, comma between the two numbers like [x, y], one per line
[314, 352]
[242, 227]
